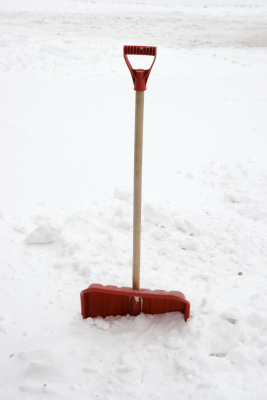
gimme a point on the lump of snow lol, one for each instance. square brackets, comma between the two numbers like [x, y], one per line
[173, 343]
[263, 358]
[205, 306]
[185, 226]
[233, 197]
[238, 355]
[100, 323]
[154, 215]
[125, 224]
[45, 233]
[2, 328]
[122, 194]
[258, 320]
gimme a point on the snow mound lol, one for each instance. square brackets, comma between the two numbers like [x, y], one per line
[233, 197]
[45, 233]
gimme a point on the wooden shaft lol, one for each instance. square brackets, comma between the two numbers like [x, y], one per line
[138, 151]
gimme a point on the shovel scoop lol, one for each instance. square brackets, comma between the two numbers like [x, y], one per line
[104, 301]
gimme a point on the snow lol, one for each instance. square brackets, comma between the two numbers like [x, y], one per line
[66, 176]
[45, 233]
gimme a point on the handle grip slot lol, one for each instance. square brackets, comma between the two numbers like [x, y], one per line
[139, 76]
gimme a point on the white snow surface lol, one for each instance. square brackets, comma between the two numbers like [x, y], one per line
[66, 177]
[45, 233]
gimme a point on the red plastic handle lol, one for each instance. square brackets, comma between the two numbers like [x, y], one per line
[140, 76]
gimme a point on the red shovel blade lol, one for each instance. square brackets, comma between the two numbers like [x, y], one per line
[103, 301]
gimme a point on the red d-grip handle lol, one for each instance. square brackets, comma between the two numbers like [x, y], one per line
[140, 76]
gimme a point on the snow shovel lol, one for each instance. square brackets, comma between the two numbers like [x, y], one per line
[103, 301]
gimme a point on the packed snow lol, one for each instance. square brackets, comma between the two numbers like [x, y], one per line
[66, 179]
[45, 233]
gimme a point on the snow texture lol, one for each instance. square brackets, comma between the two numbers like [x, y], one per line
[66, 178]
[45, 233]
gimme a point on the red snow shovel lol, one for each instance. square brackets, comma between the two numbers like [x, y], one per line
[103, 301]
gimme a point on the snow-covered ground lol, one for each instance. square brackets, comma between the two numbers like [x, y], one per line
[66, 177]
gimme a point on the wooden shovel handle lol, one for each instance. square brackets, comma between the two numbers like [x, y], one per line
[138, 152]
